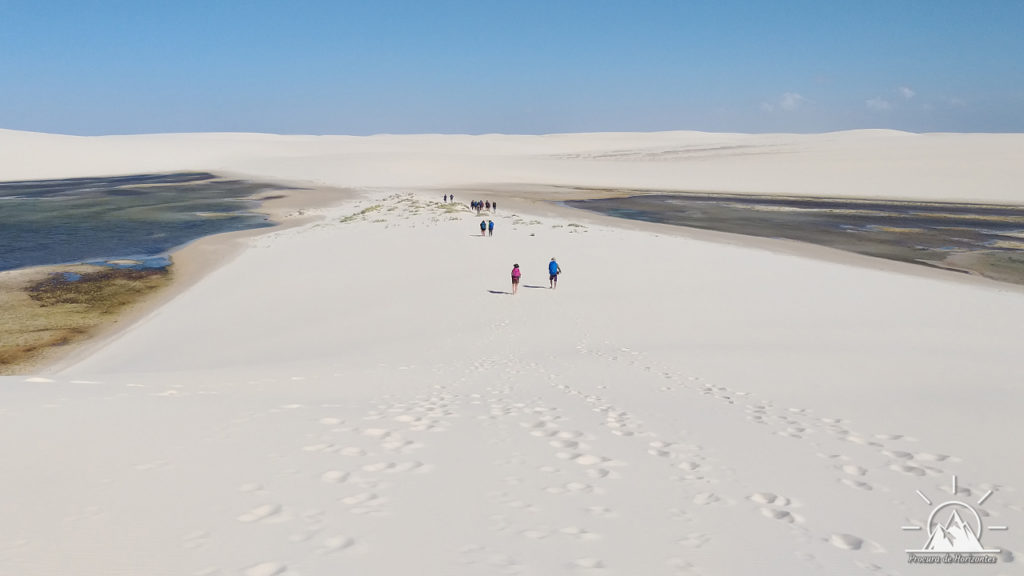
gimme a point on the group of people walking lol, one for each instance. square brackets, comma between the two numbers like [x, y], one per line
[553, 271]
[487, 229]
[479, 205]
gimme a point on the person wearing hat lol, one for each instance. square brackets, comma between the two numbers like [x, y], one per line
[553, 271]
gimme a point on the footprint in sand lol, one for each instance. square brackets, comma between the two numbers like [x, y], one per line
[568, 444]
[695, 540]
[929, 457]
[587, 459]
[579, 533]
[706, 499]
[773, 507]
[336, 544]
[688, 465]
[573, 488]
[260, 513]
[363, 498]
[401, 446]
[767, 498]
[601, 511]
[907, 469]
[856, 484]
[266, 569]
[334, 477]
[780, 515]
[853, 470]
[846, 541]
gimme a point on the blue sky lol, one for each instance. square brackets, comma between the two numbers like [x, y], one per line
[319, 67]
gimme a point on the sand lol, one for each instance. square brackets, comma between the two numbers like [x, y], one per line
[360, 395]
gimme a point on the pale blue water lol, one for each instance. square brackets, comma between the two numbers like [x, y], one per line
[138, 217]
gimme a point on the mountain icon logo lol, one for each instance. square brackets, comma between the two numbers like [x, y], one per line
[955, 526]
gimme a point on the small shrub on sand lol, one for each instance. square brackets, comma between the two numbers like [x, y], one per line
[361, 214]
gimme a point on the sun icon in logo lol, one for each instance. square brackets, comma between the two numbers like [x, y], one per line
[954, 526]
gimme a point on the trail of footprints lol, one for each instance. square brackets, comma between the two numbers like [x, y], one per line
[359, 482]
[797, 424]
[585, 475]
[685, 462]
[581, 477]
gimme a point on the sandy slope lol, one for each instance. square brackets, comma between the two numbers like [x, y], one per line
[358, 396]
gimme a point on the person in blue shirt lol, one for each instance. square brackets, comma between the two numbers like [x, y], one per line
[553, 272]
[490, 227]
[483, 227]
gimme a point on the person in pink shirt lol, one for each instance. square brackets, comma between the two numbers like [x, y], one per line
[516, 274]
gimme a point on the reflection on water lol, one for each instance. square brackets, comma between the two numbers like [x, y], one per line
[982, 238]
[136, 218]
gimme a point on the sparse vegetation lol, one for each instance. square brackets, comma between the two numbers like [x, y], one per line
[362, 213]
[62, 307]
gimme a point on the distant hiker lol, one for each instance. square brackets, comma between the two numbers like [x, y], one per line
[490, 227]
[553, 272]
[487, 204]
[516, 274]
[483, 227]
[494, 206]
[445, 198]
[452, 197]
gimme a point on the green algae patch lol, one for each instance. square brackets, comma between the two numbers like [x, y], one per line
[51, 307]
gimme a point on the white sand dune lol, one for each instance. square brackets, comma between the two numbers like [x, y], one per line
[878, 163]
[359, 395]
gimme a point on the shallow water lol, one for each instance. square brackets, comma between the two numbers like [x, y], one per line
[126, 217]
[978, 236]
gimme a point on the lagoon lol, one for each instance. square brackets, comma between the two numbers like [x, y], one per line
[123, 217]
